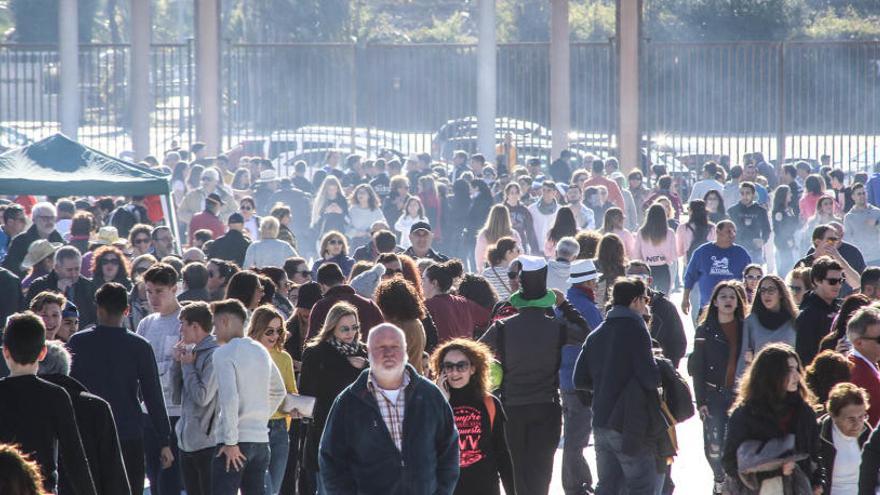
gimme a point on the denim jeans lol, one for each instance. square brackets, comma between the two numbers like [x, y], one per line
[625, 473]
[718, 402]
[162, 481]
[251, 478]
[279, 449]
[576, 428]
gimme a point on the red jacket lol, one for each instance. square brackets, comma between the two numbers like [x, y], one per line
[456, 316]
[866, 376]
[206, 220]
[369, 315]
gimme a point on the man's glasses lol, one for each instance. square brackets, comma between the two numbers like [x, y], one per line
[347, 329]
[460, 366]
[835, 281]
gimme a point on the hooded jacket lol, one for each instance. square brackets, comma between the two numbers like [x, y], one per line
[813, 323]
[827, 450]
[194, 387]
[358, 455]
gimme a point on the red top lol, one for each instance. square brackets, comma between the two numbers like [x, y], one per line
[154, 208]
[205, 220]
[27, 202]
[866, 376]
[456, 316]
[614, 194]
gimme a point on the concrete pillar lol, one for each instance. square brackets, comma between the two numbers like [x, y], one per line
[207, 14]
[68, 54]
[560, 76]
[139, 77]
[486, 81]
[629, 20]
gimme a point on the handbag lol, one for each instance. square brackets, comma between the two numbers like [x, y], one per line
[304, 405]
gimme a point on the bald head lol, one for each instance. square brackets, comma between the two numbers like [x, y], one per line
[384, 331]
[386, 344]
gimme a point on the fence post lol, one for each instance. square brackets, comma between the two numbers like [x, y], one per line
[208, 73]
[486, 80]
[629, 17]
[780, 105]
[139, 78]
[560, 76]
[354, 94]
[68, 52]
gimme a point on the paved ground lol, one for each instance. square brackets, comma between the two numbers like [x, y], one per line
[690, 472]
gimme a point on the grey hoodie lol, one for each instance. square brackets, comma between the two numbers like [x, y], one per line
[195, 388]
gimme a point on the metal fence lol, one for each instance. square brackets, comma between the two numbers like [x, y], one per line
[698, 100]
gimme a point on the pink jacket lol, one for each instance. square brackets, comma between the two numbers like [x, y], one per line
[662, 254]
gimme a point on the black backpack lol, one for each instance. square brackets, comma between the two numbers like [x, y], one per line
[676, 392]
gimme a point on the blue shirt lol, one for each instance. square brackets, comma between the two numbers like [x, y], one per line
[4, 243]
[711, 264]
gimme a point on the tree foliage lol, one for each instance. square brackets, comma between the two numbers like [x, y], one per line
[36, 21]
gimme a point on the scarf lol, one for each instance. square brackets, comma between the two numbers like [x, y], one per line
[546, 209]
[518, 301]
[347, 350]
[773, 320]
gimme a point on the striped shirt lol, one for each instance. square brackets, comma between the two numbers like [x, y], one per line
[391, 406]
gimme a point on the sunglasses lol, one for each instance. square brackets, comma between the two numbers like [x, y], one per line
[334, 242]
[460, 366]
[347, 329]
[835, 281]
[271, 332]
[753, 277]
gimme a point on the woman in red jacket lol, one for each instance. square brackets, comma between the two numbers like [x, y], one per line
[454, 315]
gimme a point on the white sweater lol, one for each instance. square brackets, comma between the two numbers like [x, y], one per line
[251, 389]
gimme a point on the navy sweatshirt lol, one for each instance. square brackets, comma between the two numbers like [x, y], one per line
[115, 364]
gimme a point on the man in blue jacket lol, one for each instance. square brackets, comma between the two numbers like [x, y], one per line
[713, 262]
[615, 356]
[391, 432]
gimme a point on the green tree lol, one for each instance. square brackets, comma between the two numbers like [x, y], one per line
[36, 21]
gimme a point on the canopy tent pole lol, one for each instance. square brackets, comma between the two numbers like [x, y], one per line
[171, 219]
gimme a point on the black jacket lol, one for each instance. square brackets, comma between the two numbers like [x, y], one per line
[325, 373]
[230, 246]
[813, 323]
[11, 302]
[431, 255]
[708, 362]
[100, 441]
[83, 296]
[666, 328]
[529, 347]
[300, 204]
[827, 450]
[870, 466]
[19, 246]
[194, 295]
[616, 352]
[751, 223]
[748, 423]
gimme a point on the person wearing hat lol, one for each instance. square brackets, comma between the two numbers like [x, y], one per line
[208, 218]
[232, 245]
[69, 321]
[264, 187]
[43, 216]
[422, 239]
[529, 347]
[194, 201]
[39, 261]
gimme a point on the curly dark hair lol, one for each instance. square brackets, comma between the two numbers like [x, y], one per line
[98, 263]
[398, 300]
[479, 290]
[827, 370]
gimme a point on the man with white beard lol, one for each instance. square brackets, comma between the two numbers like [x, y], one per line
[358, 454]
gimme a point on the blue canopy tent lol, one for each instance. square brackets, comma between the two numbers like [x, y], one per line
[59, 166]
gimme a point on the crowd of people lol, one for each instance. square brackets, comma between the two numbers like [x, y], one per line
[404, 326]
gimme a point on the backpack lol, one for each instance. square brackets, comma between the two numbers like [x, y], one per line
[676, 392]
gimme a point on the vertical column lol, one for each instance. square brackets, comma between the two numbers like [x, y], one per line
[629, 20]
[208, 73]
[139, 77]
[486, 81]
[560, 76]
[68, 52]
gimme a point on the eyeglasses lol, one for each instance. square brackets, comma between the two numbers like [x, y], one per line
[752, 277]
[334, 242]
[796, 289]
[347, 329]
[460, 366]
[835, 281]
[142, 240]
[271, 332]
[45, 218]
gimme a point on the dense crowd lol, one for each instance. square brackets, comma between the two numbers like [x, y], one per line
[405, 326]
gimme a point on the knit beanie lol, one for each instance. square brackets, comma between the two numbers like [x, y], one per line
[309, 295]
[365, 284]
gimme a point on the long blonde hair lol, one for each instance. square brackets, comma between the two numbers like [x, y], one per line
[497, 225]
[260, 320]
[321, 196]
[336, 313]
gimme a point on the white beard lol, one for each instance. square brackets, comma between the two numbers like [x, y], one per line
[385, 374]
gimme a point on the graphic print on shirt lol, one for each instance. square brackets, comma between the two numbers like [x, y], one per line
[720, 266]
[469, 421]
